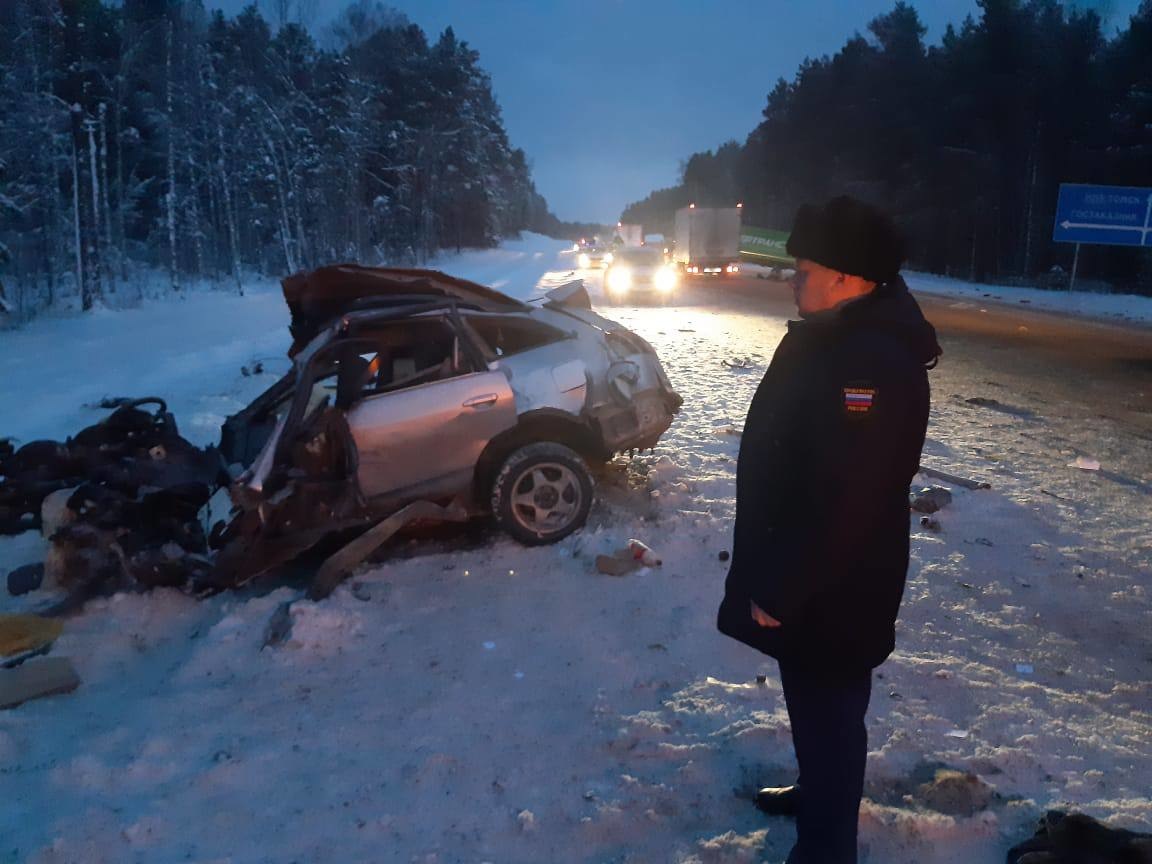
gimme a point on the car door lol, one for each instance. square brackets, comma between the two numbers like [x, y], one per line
[426, 439]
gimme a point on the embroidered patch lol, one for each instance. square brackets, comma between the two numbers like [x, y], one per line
[858, 400]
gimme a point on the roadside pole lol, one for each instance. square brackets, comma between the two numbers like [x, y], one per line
[1075, 264]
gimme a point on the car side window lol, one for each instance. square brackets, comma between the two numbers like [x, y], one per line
[505, 335]
[410, 353]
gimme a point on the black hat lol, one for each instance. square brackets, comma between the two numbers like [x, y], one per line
[849, 236]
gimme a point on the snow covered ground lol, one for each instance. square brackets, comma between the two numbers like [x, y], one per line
[478, 701]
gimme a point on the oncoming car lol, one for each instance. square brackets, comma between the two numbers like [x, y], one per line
[640, 271]
[594, 256]
[411, 385]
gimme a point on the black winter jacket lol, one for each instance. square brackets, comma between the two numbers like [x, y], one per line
[831, 443]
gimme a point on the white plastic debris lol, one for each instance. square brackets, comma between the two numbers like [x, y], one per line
[1085, 463]
[1025, 668]
[956, 733]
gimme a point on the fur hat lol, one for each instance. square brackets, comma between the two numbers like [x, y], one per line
[849, 236]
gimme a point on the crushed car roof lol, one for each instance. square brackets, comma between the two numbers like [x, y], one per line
[314, 298]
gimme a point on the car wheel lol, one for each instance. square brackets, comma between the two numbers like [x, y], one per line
[542, 493]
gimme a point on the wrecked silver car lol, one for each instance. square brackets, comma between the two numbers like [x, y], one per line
[414, 386]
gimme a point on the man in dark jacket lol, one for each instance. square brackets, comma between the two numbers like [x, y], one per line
[820, 554]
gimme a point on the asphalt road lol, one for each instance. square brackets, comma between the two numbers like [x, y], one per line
[1080, 365]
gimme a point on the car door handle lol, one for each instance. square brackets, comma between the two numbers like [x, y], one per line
[482, 401]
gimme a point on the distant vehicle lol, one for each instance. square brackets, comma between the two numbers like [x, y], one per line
[707, 240]
[640, 271]
[628, 235]
[593, 256]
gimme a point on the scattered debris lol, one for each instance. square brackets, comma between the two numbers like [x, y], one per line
[1025, 668]
[761, 679]
[46, 676]
[930, 499]
[739, 363]
[1073, 838]
[20, 634]
[724, 555]
[1085, 463]
[956, 733]
[953, 479]
[119, 502]
[1054, 495]
[627, 560]
[334, 570]
[617, 565]
[27, 578]
[931, 524]
[643, 553]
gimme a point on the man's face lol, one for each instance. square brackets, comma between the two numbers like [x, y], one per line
[816, 288]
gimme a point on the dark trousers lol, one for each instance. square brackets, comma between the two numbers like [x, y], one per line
[827, 717]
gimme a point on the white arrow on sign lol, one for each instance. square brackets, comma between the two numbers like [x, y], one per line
[1144, 232]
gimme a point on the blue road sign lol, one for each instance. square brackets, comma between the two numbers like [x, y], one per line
[1106, 215]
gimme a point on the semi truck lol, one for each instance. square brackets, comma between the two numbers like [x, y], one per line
[707, 240]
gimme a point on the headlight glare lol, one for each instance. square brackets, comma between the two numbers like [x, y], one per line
[619, 279]
[666, 279]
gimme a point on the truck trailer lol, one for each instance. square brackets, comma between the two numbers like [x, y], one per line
[707, 240]
[629, 236]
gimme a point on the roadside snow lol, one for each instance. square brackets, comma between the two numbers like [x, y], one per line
[475, 700]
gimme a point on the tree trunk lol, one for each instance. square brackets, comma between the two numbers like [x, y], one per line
[95, 253]
[105, 207]
[81, 284]
[170, 198]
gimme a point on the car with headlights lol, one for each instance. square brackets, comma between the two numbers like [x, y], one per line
[591, 257]
[640, 272]
[412, 385]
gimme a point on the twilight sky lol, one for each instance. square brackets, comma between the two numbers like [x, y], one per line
[607, 97]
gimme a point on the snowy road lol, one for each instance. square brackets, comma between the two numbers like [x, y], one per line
[479, 701]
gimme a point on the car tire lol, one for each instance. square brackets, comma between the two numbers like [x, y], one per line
[542, 493]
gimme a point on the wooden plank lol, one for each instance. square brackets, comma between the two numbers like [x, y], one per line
[36, 679]
[22, 633]
[333, 571]
[952, 478]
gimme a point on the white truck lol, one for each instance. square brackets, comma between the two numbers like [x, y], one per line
[630, 235]
[707, 240]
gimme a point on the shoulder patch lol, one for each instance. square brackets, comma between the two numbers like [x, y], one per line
[859, 399]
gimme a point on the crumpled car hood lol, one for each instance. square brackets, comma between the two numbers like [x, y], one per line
[316, 297]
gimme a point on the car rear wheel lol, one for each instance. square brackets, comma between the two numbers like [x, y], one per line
[542, 493]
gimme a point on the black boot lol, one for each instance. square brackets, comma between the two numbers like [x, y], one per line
[778, 800]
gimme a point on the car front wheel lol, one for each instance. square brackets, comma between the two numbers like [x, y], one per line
[542, 493]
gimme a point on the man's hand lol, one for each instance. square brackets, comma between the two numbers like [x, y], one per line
[763, 618]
